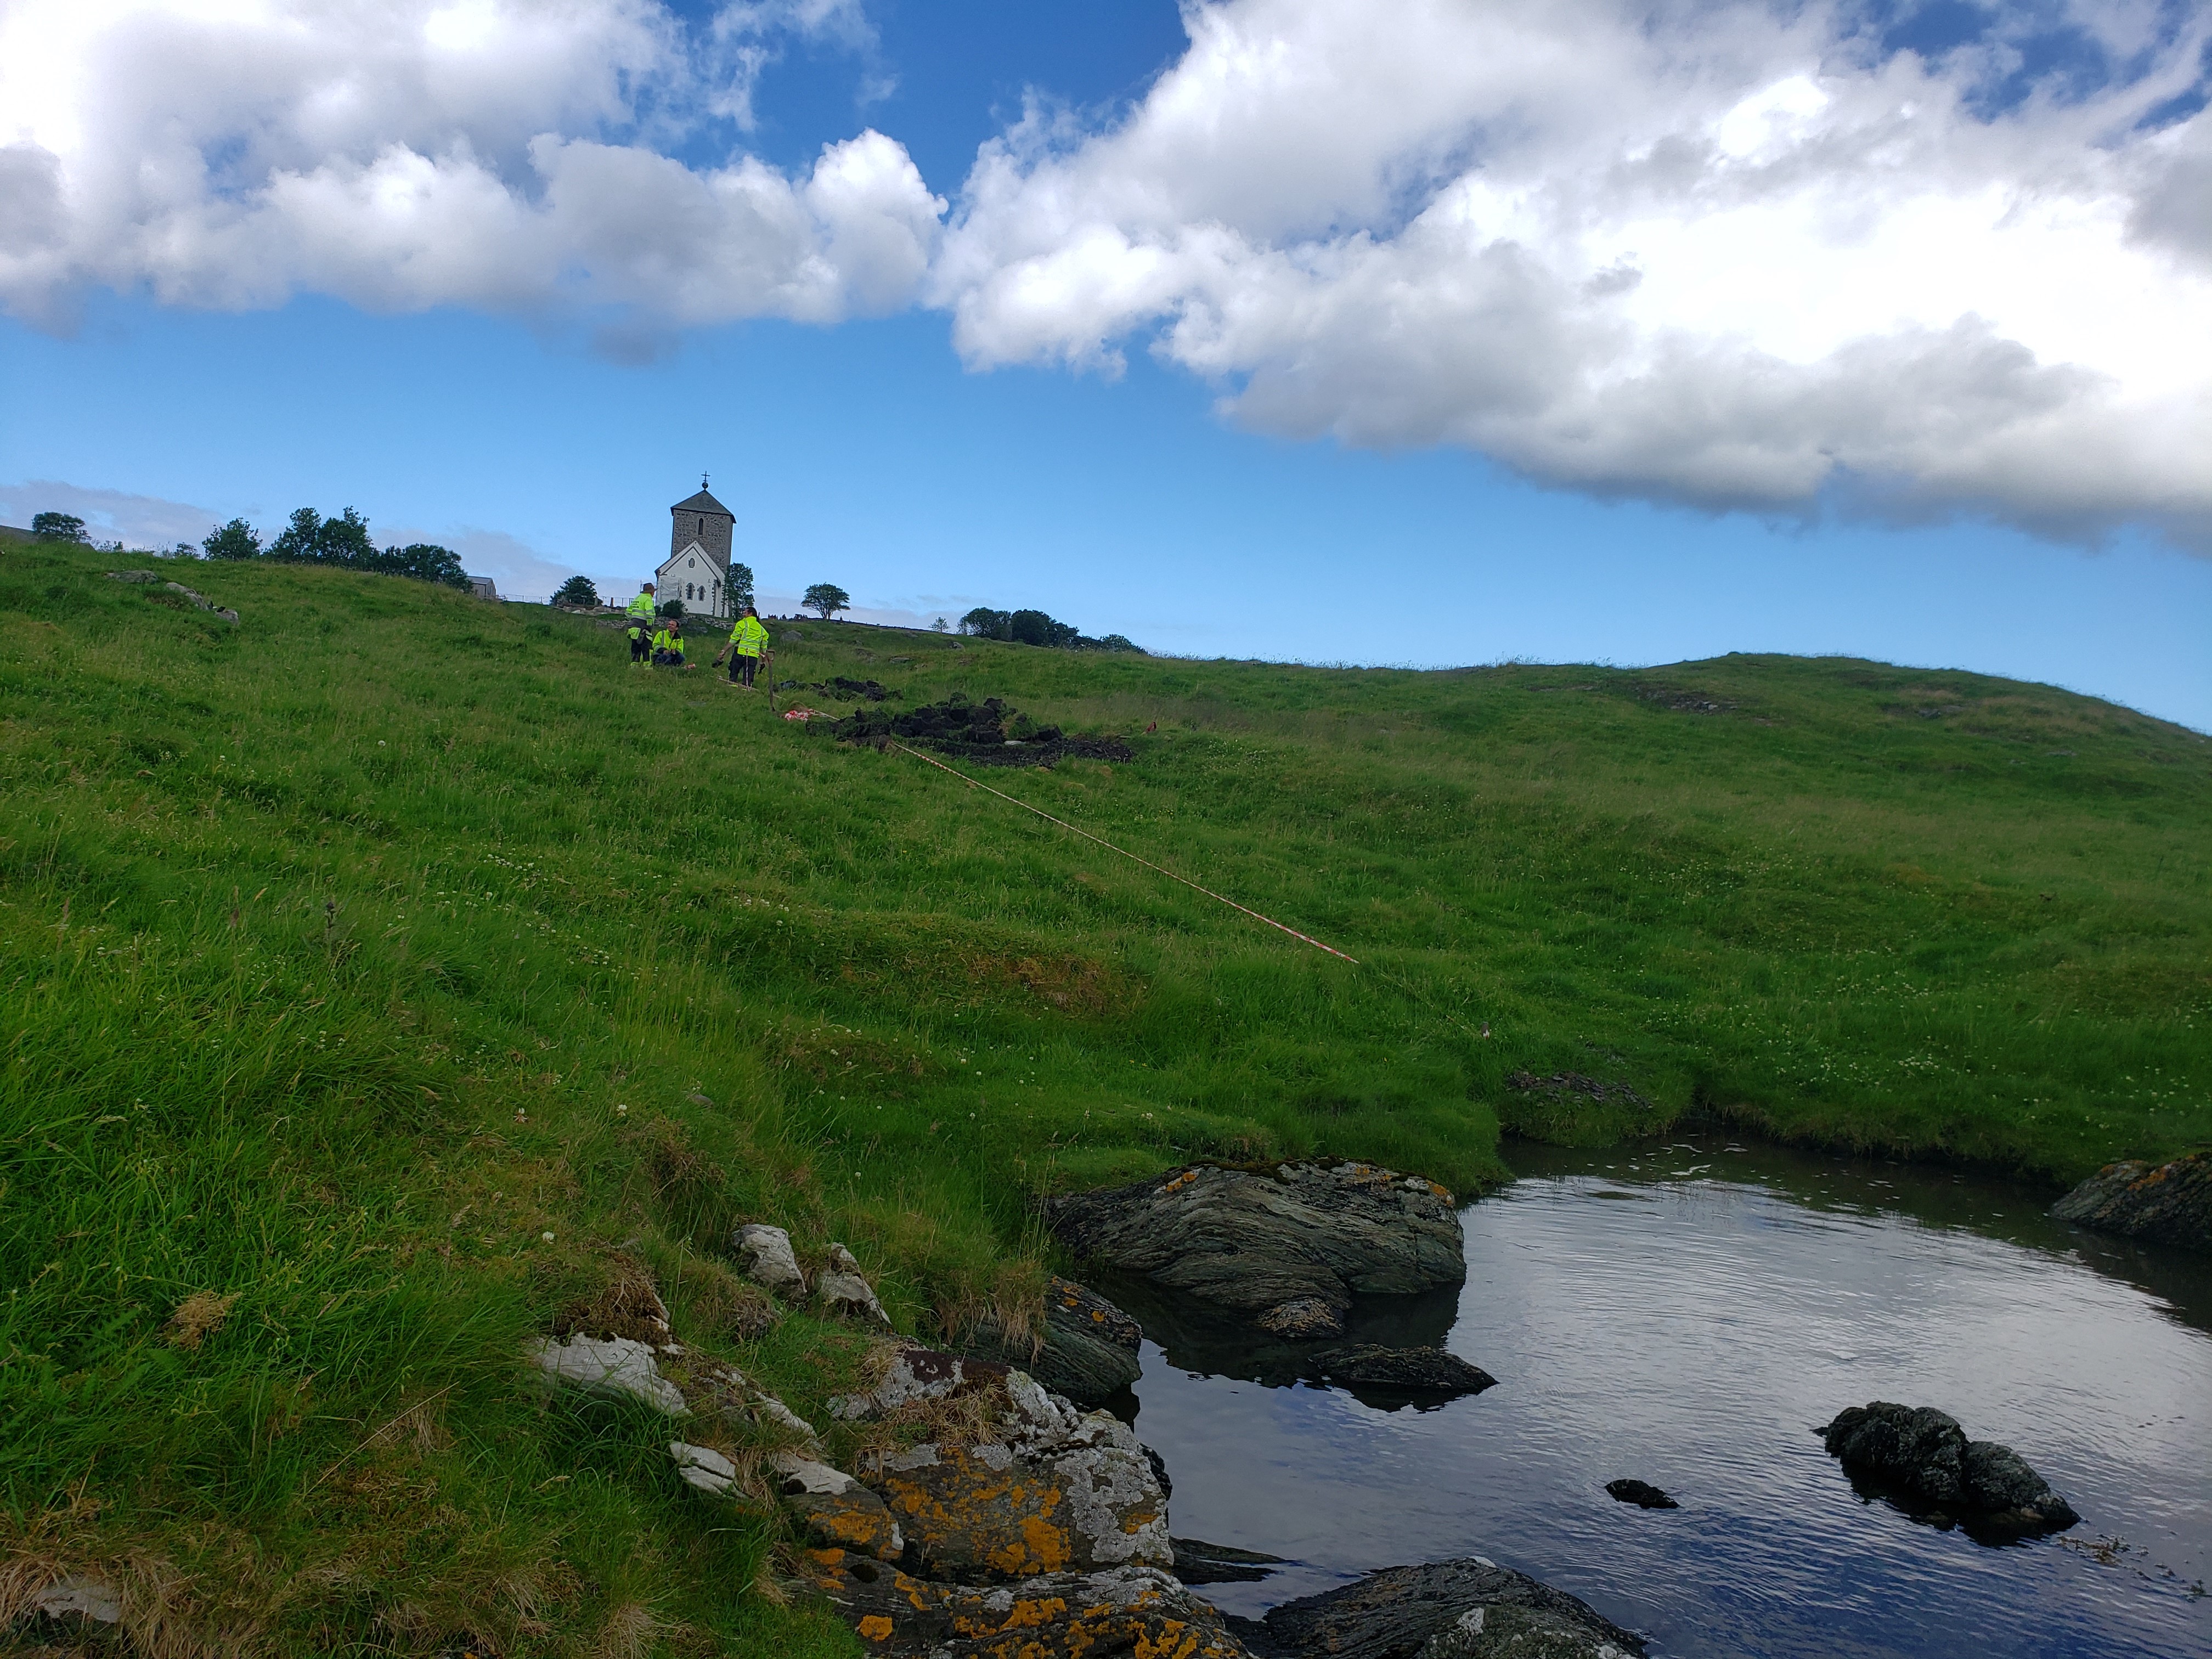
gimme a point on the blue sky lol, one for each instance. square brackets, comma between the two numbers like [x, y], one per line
[1196, 384]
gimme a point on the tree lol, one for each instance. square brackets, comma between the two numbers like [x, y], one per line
[235, 540]
[296, 540]
[57, 527]
[310, 538]
[827, 598]
[739, 590]
[422, 562]
[985, 623]
[673, 608]
[578, 591]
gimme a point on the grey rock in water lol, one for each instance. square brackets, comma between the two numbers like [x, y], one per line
[2169, 1203]
[1255, 1240]
[765, 1256]
[1430, 1371]
[1197, 1562]
[1464, 1610]
[1087, 1349]
[616, 1368]
[1921, 1457]
[839, 1289]
[1641, 1493]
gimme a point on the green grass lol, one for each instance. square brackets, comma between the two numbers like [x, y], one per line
[350, 951]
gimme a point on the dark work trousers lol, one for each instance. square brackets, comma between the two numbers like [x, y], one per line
[641, 648]
[742, 668]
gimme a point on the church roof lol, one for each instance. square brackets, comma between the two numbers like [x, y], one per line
[703, 503]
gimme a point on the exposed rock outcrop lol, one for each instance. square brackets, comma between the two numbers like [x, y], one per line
[1922, 1459]
[1132, 1611]
[1087, 1349]
[703, 1469]
[764, 1255]
[835, 1511]
[1258, 1240]
[614, 1368]
[1420, 1373]
[1641, 1493]
[1468, 1609]
[1011, 1480]
[2170, 1203]
[841, 1290]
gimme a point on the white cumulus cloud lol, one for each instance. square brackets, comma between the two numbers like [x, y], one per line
[1736, 255]
[510, 156]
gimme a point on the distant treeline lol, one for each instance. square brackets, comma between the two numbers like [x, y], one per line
[1034, 627]
[310, 538]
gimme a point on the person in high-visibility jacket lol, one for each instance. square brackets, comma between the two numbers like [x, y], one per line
[747, 641]
[668, 646]
[639, 624]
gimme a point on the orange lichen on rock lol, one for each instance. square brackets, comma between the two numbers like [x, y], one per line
[1137, 1610]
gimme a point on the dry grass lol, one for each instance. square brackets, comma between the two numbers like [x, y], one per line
[198, 1316]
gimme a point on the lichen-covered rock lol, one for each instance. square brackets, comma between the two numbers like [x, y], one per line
[1086, 1349]
[1255, 1241]
[1139, 1611]
[835, 1511]
[2170, 1203]
[1465, 1609]
[1013, 1480]
[841, 1291]
[764, 1255]
[616, 1368]
[1922, 1458]
[1434, 1373]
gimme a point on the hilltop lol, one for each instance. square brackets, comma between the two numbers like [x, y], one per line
[389, 961]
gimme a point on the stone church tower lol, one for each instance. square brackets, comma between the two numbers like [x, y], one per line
[697, 568]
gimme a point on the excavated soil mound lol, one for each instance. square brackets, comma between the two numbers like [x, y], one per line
[986, 733]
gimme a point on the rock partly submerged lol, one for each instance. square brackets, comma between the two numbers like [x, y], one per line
[1642, 1493]
[2168, 1203]
[1464, 1610]
[1418, 1374]
[1086, 1348]
[1262, 1240]
[1921, 1459]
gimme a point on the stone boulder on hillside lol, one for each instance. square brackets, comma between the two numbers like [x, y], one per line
[2170, 1203]
[1921, 1458]
[1259, 1240]
[1086, 1348]
[1465, 1609]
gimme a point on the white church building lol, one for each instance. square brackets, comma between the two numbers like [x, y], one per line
[697, 568]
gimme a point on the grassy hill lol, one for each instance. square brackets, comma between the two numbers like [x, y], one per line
[379, 968]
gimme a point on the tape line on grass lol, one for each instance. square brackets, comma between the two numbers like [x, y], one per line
[1219, 898]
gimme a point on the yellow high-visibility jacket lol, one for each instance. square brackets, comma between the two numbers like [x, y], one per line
[665, 640]
[749, 637]
[641, 607]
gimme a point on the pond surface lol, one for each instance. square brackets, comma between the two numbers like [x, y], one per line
[1685, 1315]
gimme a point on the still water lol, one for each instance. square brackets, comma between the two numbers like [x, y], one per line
[1686, 1315]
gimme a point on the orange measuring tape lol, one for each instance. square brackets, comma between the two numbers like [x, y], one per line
[1218, 898]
